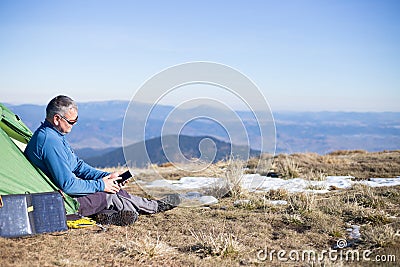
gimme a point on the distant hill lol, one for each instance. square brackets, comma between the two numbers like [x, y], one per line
[100, 126]
[155, 150]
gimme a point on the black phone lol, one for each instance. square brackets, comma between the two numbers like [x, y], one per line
[125, 176]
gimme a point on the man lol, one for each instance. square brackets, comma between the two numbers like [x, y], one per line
[98, 192]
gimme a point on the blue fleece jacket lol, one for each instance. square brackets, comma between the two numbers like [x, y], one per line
[49, 151]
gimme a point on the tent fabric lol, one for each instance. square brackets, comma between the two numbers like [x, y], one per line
[17, 174]
[13, 125]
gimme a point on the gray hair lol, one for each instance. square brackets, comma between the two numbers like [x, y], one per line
[60, 105]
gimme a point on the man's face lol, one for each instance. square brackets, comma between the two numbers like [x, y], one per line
[63, 123]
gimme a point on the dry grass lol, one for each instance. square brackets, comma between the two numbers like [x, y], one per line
[223, 235]
[228, 235]
[148, 246]
[357, 163]
[215, 243]
[288, 167]
[381, 236]
[230, 186]
[262, 165]
[301, 203]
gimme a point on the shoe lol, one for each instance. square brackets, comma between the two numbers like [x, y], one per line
[169, 202]
[121, 218]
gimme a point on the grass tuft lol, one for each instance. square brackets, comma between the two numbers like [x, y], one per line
[230, 186]
[301, 203]
[146, 246]
[380, 236]
[288, 167]
[215, 243]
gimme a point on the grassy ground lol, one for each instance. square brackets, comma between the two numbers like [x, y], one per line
[357, 163]
[250, 234]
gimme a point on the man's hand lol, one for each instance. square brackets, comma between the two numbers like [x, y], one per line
[115, 185]
[115, 174]
[111, 184]
[120, 183]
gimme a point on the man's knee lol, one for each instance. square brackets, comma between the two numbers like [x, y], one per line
[92, 204]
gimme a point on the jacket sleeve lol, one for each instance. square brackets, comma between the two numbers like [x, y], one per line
[87, 172]
[56, 160]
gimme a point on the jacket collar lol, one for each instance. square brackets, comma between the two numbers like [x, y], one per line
[47, 124]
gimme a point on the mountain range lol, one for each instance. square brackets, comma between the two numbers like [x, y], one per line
[160, 150]
[99, 130]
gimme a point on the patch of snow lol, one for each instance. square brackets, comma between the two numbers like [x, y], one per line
[196, 198]
[208, 200]
[378, 182]
[340, 181]
[256, 182]
[192, 195]
[185, 183]
[354, 232]
[278, 202]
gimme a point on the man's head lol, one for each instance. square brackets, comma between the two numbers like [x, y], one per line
[62, 113]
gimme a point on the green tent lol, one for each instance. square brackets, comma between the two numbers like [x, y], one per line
[17, 174]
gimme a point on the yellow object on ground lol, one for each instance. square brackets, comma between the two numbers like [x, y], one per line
[81, 223]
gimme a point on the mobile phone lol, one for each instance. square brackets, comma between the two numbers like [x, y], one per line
[125, 176]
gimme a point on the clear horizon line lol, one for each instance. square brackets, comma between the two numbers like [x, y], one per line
[280, 110]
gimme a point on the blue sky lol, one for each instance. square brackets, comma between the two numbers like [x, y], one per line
[303, 55]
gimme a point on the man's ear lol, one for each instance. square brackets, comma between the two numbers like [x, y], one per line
[55, 120]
